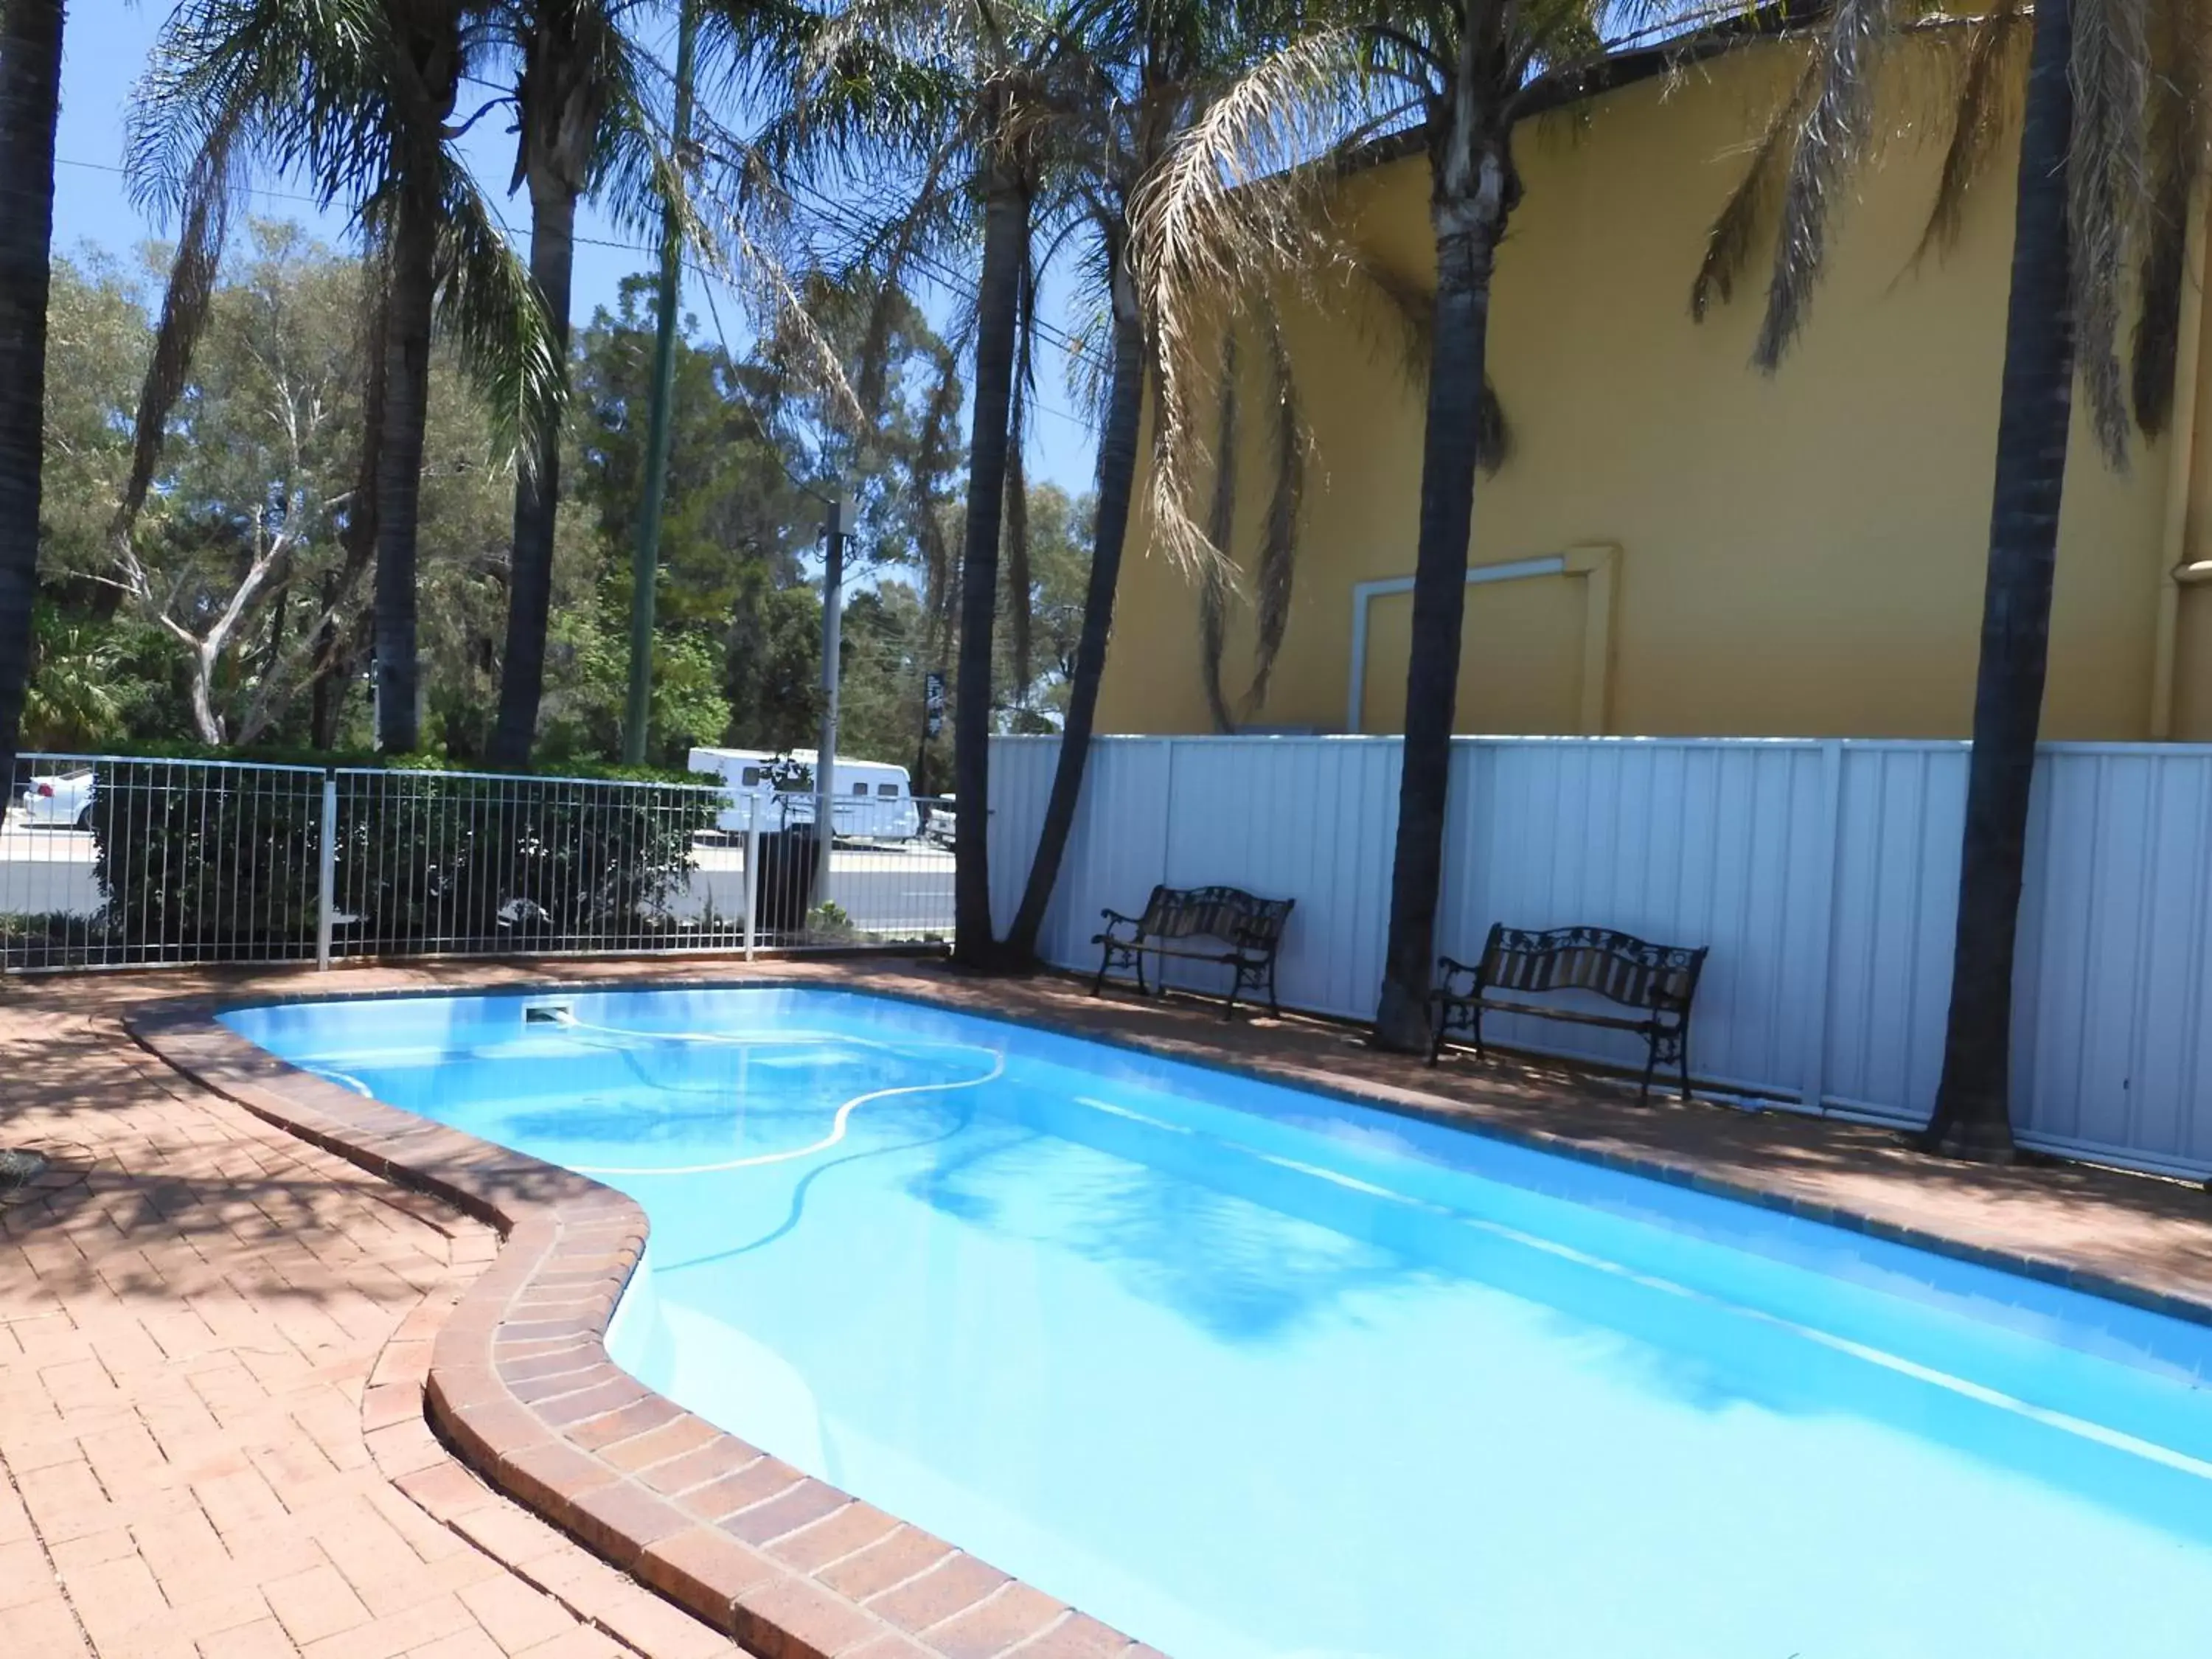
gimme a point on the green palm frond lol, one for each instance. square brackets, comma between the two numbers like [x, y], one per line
[493, 316]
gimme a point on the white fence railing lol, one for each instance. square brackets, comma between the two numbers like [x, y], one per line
[117, 861]
[1823, 875]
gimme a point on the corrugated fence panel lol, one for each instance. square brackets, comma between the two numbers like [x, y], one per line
[1823, 876]
[1116, 851]
[1021, 779]
[1684, 842]
[2112, 994]
[1309, 818]
[1901, 814]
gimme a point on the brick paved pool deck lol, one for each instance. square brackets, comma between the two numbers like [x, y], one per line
[215, 1337]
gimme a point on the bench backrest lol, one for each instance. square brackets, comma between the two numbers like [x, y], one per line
[1228, 914]
[1618, 967]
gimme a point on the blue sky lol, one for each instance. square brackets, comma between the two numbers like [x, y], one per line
[106, 48]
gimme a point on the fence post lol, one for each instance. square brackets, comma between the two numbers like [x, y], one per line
[752, 874]
[327, 873]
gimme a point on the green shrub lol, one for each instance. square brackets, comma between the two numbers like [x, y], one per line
[228, 857]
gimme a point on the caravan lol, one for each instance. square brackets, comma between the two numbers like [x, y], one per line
[875, 800]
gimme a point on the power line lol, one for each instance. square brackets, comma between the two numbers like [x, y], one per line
[926, 264]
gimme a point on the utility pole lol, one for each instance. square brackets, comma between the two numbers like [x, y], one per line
[836, 530]
[645, 565]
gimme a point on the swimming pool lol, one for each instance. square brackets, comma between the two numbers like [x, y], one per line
[1247, 1371]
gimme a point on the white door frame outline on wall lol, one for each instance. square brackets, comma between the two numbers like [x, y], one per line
[1597, 563]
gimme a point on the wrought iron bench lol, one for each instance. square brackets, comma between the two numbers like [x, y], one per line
[1223, 925]
[1659, 980]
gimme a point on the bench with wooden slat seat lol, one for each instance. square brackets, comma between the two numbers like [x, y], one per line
[1659, 980]
[1225, 926]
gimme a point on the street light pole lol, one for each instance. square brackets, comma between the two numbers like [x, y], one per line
[645, 564]
[837, 529]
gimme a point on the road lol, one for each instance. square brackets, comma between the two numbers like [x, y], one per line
[900, 888]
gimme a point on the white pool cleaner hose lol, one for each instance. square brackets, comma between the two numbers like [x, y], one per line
[838, 1124]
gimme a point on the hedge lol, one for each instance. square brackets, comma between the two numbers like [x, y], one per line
[229, 857]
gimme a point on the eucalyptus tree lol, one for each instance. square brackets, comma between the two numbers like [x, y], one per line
[357, 97]
[2113, 148]
[30, 100]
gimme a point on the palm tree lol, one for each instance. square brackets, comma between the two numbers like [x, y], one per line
[582, 124]
[359, 97]
[1163, 67]
[964, 107]
[2112, 151]
[30, 99]
[1469, 71]
[1973, 1099]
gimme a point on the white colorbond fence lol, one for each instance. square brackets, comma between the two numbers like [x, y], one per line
[1822, 874]
[119, 862]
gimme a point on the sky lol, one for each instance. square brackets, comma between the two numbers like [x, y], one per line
[106, 48]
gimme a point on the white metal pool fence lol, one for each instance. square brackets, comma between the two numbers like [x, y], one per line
[112, 860]
[1822, 874]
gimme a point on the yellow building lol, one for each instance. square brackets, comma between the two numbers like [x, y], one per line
[1678, 544]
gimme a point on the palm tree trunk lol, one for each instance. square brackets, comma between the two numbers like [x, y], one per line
[998, 315]
[537, 494]
[1467, 223]
[399, 462]
[1972, 1116]
[1117, 474]
[30, 99]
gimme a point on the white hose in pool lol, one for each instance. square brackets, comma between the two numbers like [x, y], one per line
[838, 1124]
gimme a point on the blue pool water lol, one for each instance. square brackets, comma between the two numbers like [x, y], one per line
[1249, 1372]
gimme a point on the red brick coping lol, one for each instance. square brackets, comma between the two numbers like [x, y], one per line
[521, 1383]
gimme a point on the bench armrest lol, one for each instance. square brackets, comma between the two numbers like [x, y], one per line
[1449, 968]
[1115, 918]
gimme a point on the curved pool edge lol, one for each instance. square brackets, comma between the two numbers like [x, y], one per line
[520, 1385]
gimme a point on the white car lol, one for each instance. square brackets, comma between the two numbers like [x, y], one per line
[62, 801]
[942, 825]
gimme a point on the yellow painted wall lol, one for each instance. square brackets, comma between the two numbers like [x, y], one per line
[1800, 554]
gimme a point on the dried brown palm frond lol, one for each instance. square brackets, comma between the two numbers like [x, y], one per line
[1987, 91]
[1016, 533]
[205, 225]
[1493, 432]
[1729, 238]
[1405, 311]
[739, 232]
[1291, 445]
[1409, 310]
[2105, 185]
[1214, 584]
[1236, 203]
[2177, 134]
[933, 459]
[1833, 136]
